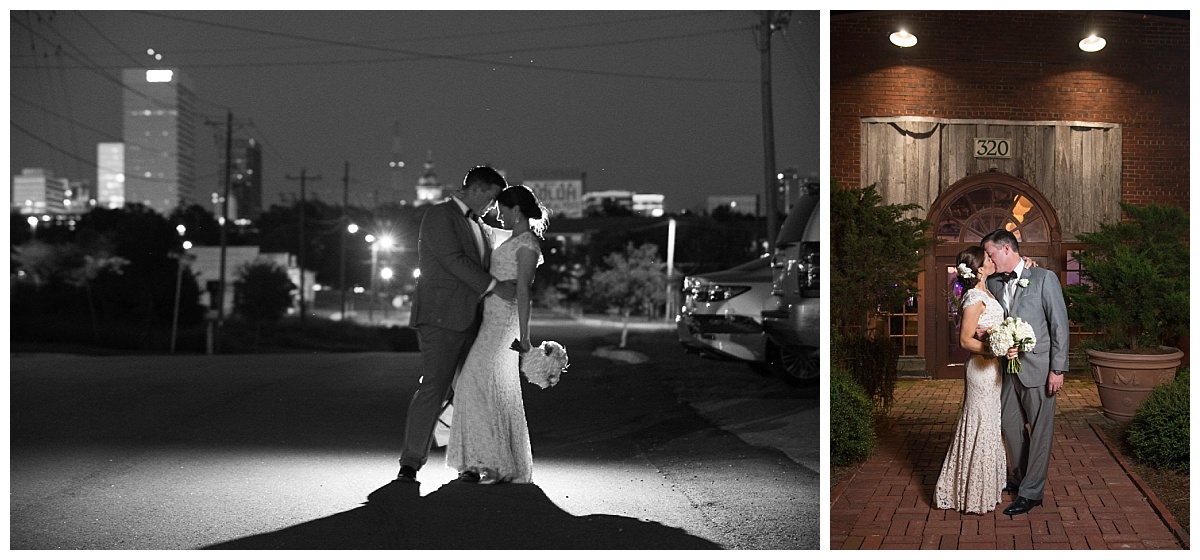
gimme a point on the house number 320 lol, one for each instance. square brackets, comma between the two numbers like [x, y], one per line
[991, 148]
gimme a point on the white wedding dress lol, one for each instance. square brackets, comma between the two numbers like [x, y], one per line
[489, 428]
[973, 473]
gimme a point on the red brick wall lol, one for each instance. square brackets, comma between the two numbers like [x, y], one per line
[1020, 66]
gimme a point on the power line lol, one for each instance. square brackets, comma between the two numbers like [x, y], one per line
[805, 73]
[436, 37]
[449, 57]
[109, 41]
[342, 62]
[93, 68]
[82, 125]
[91, 164]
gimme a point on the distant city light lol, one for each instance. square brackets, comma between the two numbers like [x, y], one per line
[150, 52]
[160, 75]
[370, 238]
[385, 273]
[316, 287]
[416, 273]
[187, 245]
[352, 228]
[386, 241]
[359, 289]
[181, 229]
[32, 221]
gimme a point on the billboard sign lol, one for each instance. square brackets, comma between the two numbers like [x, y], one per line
[564, 197]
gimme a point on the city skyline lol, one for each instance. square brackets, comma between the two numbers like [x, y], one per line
[664, 102]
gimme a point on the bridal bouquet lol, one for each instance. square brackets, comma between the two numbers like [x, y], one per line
[543, 365]
[1008, 333]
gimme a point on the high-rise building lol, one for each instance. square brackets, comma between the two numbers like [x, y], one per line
[160, 138]
[110, 174]
[37, 191]
[246, 182]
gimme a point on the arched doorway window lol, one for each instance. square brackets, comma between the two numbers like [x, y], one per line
[990, 206]
[962, 216]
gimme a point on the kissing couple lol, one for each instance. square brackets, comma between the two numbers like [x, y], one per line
[472, 301]
[1013, 411]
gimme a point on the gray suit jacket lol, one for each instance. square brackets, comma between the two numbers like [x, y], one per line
[1040, 304]
[453, 277]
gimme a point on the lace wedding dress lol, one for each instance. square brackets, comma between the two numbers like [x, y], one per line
[489, 428]
[973, 472]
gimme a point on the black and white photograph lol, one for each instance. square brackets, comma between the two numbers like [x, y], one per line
[408, 279]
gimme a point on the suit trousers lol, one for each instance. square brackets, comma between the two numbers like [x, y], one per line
[1028, 450]
[443, 352]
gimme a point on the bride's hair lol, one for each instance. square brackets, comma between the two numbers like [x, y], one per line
[972, 258]
[522, 197]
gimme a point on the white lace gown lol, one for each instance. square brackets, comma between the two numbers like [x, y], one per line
[973, 473]
[489, 428]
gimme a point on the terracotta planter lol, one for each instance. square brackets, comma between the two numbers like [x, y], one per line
[1124, 380]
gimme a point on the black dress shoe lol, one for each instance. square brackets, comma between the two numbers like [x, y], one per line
[1011, 488]
[469, 476]
[1022, 505]
[407, 474]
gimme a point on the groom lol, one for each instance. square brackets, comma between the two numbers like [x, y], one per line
[454, 253]
[1028, 397]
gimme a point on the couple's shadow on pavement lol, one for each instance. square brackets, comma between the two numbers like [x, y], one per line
[467, 516]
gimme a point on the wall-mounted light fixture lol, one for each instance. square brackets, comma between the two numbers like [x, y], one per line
[1092, 43]
[903, 39]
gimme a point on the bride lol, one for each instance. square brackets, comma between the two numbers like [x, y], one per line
[489, 438]
[973, 473]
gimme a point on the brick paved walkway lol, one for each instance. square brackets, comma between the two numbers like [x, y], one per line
[1090, 502]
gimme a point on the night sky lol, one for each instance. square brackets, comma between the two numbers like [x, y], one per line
[666, 102]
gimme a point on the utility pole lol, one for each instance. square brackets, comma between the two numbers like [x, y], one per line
[345, 224]
[214, 326]
[224, 225]
[772, 21]
[304, 178]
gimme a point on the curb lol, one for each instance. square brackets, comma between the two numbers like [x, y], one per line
[1159, 507]
[633, 327]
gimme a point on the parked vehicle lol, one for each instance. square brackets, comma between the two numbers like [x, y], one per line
[722, 311]
[791, 314]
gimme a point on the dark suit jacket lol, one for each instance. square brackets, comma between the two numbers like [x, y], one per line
[1040, 304]
[453, 277]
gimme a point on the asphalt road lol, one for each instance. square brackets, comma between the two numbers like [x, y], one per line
[297, 451]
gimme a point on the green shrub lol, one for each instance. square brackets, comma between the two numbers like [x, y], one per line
[851, 420]
[1159, 432]
[872, 361]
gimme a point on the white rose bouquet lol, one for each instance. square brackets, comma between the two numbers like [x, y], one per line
[1008, 333]
[543, 365]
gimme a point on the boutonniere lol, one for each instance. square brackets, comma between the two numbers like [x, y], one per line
[1023, 282]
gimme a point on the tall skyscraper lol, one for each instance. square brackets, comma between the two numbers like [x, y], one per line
[247, 177]
[160, 139]
[110, 175]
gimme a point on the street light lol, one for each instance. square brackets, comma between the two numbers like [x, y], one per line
[180, 258]
[385, 242]
[352, 229]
